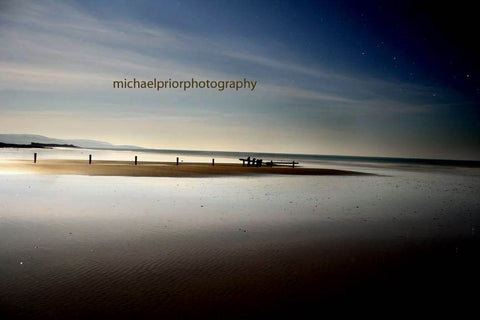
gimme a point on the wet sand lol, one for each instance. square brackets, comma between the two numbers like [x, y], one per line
[156, 169]
[319, 279]
[77, 247]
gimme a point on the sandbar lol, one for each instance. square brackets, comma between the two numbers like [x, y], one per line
[156, 169]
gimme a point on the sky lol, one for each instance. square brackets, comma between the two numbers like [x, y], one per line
[367, 78]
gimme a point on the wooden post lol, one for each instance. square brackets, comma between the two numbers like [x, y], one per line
[89, 159]
[177, 161]
[271, 163]
[293, 164]
[213, 162]
[243, 163]
[135, 160]
[35, 157]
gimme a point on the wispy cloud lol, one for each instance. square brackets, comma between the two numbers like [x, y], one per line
[56, 46]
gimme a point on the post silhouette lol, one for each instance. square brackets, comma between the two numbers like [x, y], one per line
[135, 160]
[177, 161]
[89, 159]
[213, 162]
[35, 157]
[293, 164]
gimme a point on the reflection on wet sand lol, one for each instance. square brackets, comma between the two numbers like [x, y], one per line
[249, 246]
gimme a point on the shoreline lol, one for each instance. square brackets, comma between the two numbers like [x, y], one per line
[157, 169]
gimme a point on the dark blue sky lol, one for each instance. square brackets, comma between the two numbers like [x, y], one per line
[427, 41]
[392, 78]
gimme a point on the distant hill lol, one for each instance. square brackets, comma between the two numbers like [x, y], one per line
[36, 145]
[28, 139]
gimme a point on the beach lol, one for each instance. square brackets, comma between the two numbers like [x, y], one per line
[239, 160]
[157, 169]
[110, 240]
